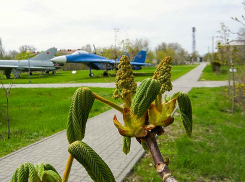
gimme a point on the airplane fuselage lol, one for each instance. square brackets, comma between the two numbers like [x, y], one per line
[24, 65]
[40, 62]
[93, 61]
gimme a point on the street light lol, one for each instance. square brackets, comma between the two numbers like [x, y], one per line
[28, 52]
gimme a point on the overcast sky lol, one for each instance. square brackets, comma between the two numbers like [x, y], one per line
[71, 24]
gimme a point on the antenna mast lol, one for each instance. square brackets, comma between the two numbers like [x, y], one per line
[193, 41]
[116, 30]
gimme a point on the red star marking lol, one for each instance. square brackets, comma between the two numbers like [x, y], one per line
[56, 64]
[47, 52]
[140, 56]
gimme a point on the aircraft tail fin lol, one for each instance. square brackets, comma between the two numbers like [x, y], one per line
[125, 53]
[140, 57]
[45, 55]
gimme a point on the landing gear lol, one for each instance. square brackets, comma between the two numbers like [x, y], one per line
[41, 74]
[90, 73]
[54, 72]
[8, 76]
[16, 73]
[30, 73]
[47, 72]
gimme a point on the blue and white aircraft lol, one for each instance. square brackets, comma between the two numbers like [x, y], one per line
[97, 62]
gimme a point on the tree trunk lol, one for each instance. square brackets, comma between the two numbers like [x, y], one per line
[160, 165]
[8, 116]
[233, 90]
[229, 80]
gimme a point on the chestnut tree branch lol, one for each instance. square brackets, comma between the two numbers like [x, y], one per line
[160, 165]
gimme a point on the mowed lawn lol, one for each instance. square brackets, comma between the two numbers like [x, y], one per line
[216, 151]
[38, 113]
[83, 77]
[41, 112]
[209, 75]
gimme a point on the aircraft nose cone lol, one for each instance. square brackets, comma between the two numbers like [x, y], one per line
[59, 59]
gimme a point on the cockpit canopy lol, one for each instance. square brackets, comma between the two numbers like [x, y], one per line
[79, 52]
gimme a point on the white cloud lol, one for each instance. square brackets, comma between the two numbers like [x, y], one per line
[72, 24]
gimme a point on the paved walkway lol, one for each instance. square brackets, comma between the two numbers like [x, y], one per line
[176, 83]
[101, 135]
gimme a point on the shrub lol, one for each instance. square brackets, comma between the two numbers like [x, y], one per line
[215, 66]
[240, 89]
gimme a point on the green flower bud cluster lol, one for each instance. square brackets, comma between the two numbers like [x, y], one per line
[125, 84]
[163, 75]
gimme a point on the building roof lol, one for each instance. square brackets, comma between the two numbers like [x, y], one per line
[67, 51]
[237, 42]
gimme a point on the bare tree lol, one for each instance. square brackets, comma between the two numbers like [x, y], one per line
[2, 52]
[7, 92]
[12, 54]
[139, 44]
[24, 48]
[87, 48]
[228, 53]
[162, 47]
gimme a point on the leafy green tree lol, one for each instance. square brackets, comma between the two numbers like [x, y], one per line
[24, 56]
[174, 50]
[133, 47]
[23, 52]
[208, 57]
[161, 54]
[110, 52]
[150, 56]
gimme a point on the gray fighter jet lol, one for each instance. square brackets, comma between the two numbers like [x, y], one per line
[41, 62]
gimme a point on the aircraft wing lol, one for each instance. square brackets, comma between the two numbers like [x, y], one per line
[21, 67]
[8, 66]
[32, 67]
[139, 64]
[94, 61]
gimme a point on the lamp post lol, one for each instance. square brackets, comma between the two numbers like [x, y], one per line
[28, 52]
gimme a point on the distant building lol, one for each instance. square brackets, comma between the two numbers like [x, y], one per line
[237, 42]
[240, 45]
[154, 61]
[66, 51]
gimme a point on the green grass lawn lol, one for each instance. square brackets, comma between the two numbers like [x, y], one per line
[209, 75]
[216, 151]
[38, 113]
[41, 112]
[82, 76]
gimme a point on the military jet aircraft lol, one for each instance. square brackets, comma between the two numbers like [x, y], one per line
[41, 62]
[96, 62]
